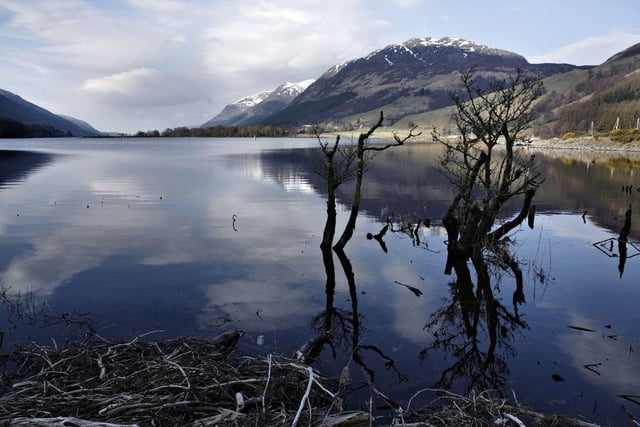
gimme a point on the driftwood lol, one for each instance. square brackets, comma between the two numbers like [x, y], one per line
[192, 382]
[479, 409]
[186, 381]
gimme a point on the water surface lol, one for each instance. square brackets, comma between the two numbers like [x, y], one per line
[200, 236]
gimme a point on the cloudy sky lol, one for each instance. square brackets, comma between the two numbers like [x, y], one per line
[128, 65]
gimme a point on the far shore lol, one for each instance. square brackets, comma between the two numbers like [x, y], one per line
[583, 144]
[588, 144]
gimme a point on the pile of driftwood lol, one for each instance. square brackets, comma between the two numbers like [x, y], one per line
[196, 382]
[479, 409]
[184, 381]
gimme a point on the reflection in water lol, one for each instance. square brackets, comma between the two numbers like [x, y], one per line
[339, 328]
[476, 328]
[622, 241]
[379, 237]
[343, 329]
[16, 165]
[607, 246]
[138, 263]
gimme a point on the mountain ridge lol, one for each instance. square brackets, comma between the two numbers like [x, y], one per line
[403, 79]
[407, 78]
[254, 108]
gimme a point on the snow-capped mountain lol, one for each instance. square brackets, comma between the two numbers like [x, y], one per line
[253, 100]
[234, 112]
[403, 79]
[292, 89]
[255, 108]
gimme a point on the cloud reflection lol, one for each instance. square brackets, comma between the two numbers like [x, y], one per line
[617, 359]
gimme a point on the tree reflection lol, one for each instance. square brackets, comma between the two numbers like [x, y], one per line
[339, 328]
[475, 327]
[607, 246]
[622, 241]
[488, 170]
[343, 329]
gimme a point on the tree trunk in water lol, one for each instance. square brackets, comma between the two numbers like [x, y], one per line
[355, 207]
[330, 225]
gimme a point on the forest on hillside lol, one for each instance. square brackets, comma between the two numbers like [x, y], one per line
[609, 98]
[14, 129]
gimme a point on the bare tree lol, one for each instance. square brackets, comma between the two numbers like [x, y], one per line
[484, 162]
[362, 150]
[336, 167]
[339, 164]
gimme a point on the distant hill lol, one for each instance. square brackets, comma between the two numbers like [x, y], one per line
[20, 118]
[255, 109]
[604, 95]
[82, 124]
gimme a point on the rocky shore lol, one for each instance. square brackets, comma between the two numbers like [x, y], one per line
[587, 145]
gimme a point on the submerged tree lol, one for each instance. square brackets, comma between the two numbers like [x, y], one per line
[484, 163]
[336, 168]
[488, 171]
[342, 162]
[338, 327]
[363, 149]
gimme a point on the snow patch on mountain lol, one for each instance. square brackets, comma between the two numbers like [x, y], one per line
[336, 68]
[293, 89]
[253, 100]
[287, 89]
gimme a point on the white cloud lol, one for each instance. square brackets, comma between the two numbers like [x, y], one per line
[589, 51]
[126, 82]
[64, 54]
[159, 5]
[275, 37]
[407, 4]
[144, 87]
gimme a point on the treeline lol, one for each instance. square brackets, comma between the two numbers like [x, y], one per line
[601, 110]
[223, 132]
[13, 129]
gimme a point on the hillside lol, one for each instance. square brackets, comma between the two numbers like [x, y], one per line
[21, 118]
[413, 82]
[601, 95]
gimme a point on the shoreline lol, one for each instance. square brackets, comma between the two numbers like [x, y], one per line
[587, 144]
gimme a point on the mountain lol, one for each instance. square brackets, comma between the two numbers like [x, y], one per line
[234, 113]
[256, 108]
[23, 118]
[277, 100]
[402, 79]
[603, 95]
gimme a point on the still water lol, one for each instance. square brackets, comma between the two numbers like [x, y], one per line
[201, 236]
